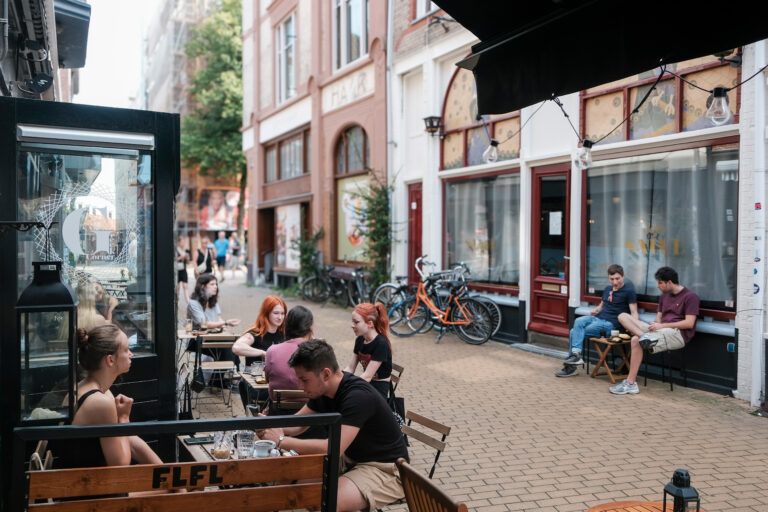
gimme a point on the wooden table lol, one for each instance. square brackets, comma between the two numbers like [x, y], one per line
[199, 452]
[631, 506]
[604, 346]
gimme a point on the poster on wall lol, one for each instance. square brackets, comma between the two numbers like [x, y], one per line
[351, 243]
[287, 230]
[218, 209]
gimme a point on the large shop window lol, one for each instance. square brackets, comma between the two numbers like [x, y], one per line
[287, 158]
[101, 201]
[482, 222]
[676, 209]
[350, 31]
[352, 157]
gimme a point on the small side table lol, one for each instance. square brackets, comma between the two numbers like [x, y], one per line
[604, 346]
[632, 506]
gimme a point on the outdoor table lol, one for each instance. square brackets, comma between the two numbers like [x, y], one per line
[202, 452]
[632, 506]
[604, 346]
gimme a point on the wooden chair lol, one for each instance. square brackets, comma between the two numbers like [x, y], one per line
[422, 495]
[394, 377]
[430, 440]
[285, 398]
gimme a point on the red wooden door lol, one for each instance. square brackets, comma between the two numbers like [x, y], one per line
[414, 230]
[549, 250]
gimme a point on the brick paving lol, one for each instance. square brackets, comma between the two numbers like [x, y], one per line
[525, 440]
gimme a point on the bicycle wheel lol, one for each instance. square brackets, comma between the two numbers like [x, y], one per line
[339, 294]
[315, 289]
[404, 320]
[494, 310]
[388, 294]
[478, 330]
[353, 294]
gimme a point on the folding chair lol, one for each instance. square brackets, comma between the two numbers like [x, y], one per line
[395, 377]
[422, 495]
[430, 440]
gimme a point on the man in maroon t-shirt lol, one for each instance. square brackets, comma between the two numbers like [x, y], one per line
[673, 328]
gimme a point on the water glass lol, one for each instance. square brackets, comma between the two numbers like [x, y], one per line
[245, 444]
[188, 325]
[222, 445]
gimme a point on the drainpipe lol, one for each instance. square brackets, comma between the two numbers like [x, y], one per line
[4, 21]
[390, 140]
[758, 320]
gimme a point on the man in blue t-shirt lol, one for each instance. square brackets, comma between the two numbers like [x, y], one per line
[617, 298]
[222, 246]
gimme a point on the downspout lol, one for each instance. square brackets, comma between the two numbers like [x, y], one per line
[758, 321]
[4, 21]
[390, 141]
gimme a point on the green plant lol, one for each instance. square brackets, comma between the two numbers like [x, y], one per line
[376, 226]
[306, 245]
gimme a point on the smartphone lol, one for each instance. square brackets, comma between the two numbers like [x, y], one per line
[199, 440]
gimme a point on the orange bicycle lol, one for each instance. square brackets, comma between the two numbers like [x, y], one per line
[470, 318]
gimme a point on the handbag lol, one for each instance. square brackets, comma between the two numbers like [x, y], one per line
[198, 379]
[397, 404]
[201, 266]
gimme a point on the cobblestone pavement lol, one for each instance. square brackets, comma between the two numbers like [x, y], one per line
[522, 439]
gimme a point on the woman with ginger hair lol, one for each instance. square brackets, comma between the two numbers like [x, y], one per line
[373, 349]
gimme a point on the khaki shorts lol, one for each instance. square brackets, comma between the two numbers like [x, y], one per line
[378, 482]
[669, 339]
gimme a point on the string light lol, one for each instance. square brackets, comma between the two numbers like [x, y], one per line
[491, 153]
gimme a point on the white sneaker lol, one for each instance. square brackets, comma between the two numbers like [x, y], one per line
[625, 388]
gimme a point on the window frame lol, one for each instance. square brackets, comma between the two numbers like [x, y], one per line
[652, 305]
[339, 44]
[343, 141]
[283, 44]
[304, 135]
[419, 10]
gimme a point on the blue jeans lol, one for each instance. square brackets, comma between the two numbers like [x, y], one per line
[587, 326]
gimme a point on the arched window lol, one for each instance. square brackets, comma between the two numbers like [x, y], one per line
[352, 162]
[352, 151]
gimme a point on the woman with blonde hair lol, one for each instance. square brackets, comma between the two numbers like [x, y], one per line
[373, 349]
[88, 316]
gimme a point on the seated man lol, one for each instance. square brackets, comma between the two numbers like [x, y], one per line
[673, 328]
[371, 440]
[618, 298]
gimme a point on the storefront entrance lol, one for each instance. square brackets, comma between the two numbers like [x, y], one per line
[549, 250]
[414, 230]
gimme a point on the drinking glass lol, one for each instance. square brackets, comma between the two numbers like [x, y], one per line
[245, 444]
[188, 325]
[222, 445]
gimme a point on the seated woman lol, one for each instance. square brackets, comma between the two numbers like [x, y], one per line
[203, 309]
[105, 303]
[88, 316]
[268, 329]
[104, 354]
[372, 347]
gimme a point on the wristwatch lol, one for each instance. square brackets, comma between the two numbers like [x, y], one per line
[280, 441]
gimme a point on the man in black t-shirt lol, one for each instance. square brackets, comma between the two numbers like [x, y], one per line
[371, 440]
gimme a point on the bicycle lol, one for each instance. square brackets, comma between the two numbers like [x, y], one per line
[325, 286]
[358, 288]
[470, 318]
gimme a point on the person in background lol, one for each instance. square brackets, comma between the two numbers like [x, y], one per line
[203, 309]
[105, 304]
[182, 258]
[206, 257]
[280, 375]
[88, 316]
[104, 355]
[222, 247]
[234, 249]
[373, 349]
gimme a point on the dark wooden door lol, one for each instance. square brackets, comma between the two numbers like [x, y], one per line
[549, 250]
[414, 230]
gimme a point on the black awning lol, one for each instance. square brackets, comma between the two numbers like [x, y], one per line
[530, 51]
[72, 20]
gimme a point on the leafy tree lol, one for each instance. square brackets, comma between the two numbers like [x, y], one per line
[210, 135]
[377, 226]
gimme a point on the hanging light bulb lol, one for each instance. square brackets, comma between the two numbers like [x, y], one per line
[491, 153]
[717, 106]
[582, 157]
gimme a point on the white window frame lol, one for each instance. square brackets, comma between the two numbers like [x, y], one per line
[285, 48]
[340, 49]
[424, 7]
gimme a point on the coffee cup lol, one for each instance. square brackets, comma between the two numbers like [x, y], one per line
[614, 333]
[263, 447]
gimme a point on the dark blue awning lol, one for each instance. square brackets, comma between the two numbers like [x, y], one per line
[72, 20]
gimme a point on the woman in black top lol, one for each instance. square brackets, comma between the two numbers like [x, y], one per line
[373, 350]
[104, 354]
[205, 255]
[267, 330]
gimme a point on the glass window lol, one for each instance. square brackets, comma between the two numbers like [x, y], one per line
[291, 158]
[676, 209]
[101, 201]
[350, 25]
[351, 243]
[352, 151]
[424, 7]
[286, 64]
[482, 221]
[271, 164]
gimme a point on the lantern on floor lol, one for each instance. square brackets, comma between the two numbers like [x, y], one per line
[684, 497]
[46, 323]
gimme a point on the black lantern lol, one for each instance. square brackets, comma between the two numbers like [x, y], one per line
[684, 497]
[46, 320]
[432, 124]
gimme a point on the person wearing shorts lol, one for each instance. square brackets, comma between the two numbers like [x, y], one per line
[673, 328]
[222, 246]
[371, 440]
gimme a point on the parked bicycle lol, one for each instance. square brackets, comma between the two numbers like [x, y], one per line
[326, 285]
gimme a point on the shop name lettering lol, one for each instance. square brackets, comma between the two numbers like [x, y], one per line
[196, 473]
[653, 245]
[479, 245]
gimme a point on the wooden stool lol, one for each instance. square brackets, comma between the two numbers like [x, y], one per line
[604, 346]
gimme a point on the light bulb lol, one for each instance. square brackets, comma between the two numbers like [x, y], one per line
[491, 153]
[717, 106]
[582, 156]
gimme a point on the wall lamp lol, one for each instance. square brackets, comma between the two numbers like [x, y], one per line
[433, 125]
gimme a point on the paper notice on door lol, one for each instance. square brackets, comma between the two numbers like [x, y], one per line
[555, 223]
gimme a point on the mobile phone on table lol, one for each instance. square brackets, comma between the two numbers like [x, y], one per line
[198, 440]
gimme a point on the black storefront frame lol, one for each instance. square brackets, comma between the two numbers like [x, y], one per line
[153, 376]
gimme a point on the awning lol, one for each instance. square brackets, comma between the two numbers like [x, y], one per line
[530, 51]
[72, 20]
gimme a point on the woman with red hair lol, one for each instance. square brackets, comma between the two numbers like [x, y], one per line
[267, 330]
[373, 350]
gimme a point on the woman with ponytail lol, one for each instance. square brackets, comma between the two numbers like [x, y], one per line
[103, 354]
[373, 349]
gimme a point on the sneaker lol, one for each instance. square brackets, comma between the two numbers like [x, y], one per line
[625, 388]
[567, 371]
[574, 359]
[647, 341]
